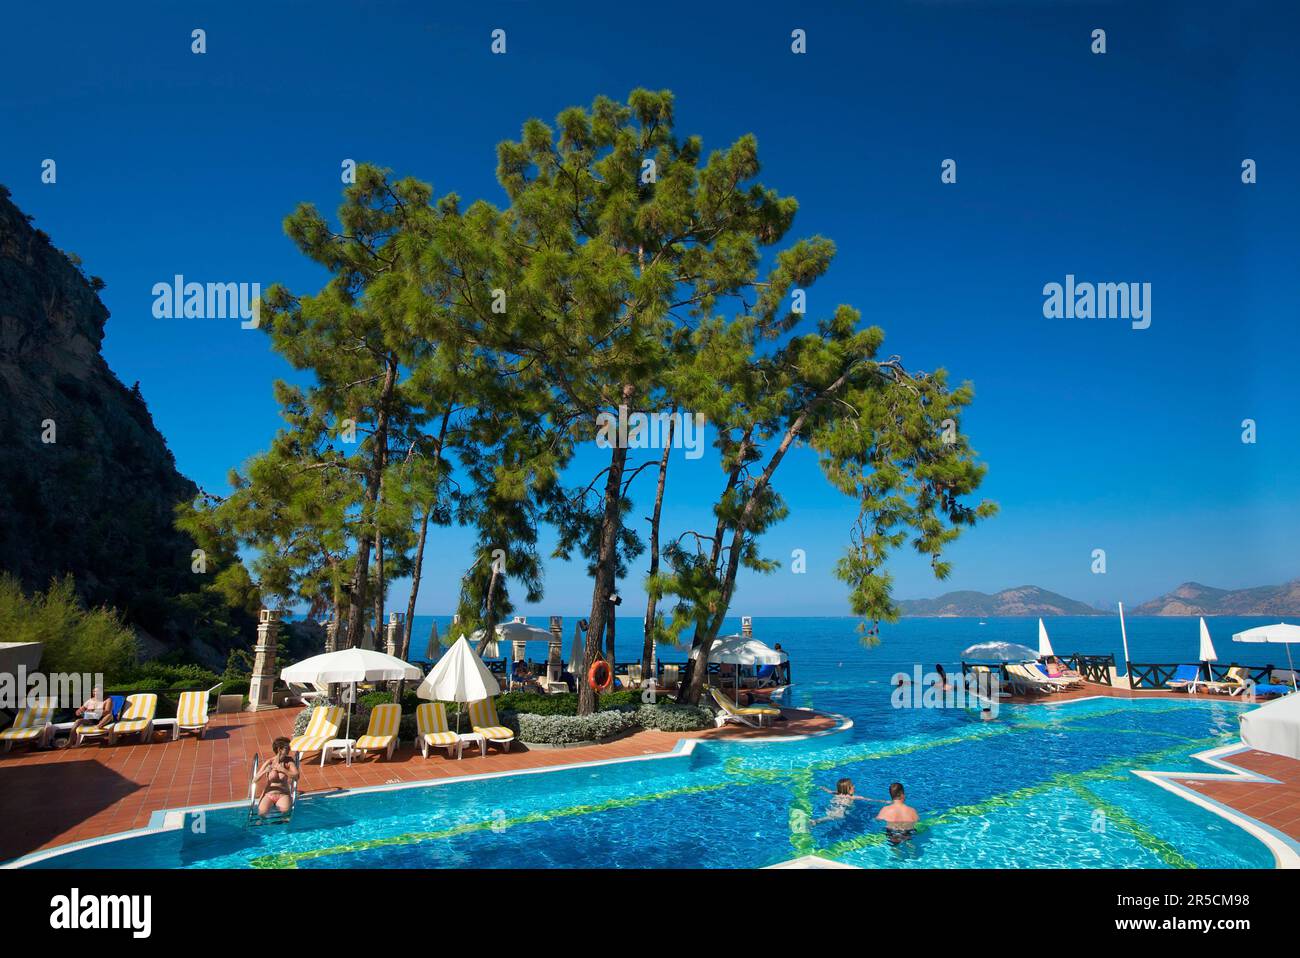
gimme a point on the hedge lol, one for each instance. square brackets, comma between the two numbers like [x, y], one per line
[571, 729]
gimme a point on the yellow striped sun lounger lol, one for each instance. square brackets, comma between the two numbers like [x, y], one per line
[751, 715]
[192, 711]
[483, 719]
[136, 718]
[381, 735]
[321, 728]
[31, 724]
[431, 728]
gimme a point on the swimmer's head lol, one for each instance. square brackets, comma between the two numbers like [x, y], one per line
[896, 791]
[844, 786]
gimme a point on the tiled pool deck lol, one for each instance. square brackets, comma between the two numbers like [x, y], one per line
[53, 797]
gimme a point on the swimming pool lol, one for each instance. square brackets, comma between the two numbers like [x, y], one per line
[1044, 786]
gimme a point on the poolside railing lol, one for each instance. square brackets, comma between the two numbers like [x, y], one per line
[1093, 668]
[1156, 675]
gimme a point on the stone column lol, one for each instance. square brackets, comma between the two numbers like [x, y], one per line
[747, 626]
[520, 648]
[554, 666]
[332, 635]
[393, 632]
[261, 688]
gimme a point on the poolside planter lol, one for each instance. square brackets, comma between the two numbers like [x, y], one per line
[230, 703]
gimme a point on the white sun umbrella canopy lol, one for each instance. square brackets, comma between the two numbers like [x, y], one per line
[1207, 645]
[1000, 651]
[1044, 643]
[739, 650]
[512, 632]
[459, 676]
[349, 666]
[1274, 727]
[1281, 634]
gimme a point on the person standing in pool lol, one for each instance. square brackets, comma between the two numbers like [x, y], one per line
[900, 818]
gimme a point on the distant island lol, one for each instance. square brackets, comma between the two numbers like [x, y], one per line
[1027, 600]
[1190, 598]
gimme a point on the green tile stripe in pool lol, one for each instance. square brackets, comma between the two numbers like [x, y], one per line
[1043, 786]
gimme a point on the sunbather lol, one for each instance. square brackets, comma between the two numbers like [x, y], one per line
[280, 772]
[96, 711]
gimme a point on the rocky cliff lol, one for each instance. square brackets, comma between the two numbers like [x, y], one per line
[1192, 598]
[87, 483]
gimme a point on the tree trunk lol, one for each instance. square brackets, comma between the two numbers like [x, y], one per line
[361, 568]
[606, 566]
[415, 582]
[489, 612]
[648, 644]
[380, 590]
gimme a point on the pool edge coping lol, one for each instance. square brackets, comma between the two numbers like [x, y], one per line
[173, 819]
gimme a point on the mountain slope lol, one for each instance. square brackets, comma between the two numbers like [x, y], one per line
[1192, 598]
[1026, 600]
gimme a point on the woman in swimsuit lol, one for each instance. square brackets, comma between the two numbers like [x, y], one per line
[280, 774]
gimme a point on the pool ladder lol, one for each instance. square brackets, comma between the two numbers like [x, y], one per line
[275, 818]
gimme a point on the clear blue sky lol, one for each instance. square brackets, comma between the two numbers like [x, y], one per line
[1120, 167]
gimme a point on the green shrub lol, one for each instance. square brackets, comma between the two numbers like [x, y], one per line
[75, 639]
[571, 729]
[670, 717]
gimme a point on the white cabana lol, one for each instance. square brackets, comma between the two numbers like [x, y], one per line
[1044, 643]
[1207, 646]
[738, 650]
[1274, 727]
[348, 667]
[459, 676]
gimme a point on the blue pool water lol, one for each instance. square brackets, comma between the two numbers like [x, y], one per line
[1042, 786]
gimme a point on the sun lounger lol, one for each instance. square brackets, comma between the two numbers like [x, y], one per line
[136, 719]
[31, 724]
[322, 727]
[1060, 681]
[483, 719]
[1021, 679]
[1185, 679]
[192, 711]
[751, 715]
[84, 732]
[381, 735]
[431, 728]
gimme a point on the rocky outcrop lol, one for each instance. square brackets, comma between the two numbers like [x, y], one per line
[1025, 600]
[1192, 598]
[88, 486]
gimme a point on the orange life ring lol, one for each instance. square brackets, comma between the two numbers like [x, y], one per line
[600, 685]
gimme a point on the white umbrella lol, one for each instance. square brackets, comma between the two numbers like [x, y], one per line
[1282, 634]
[1207, 646]
[1044, 643]
[349, 666]
[1002, 651]
[1274, 727]
[460, 676]
[578, 653]
[738, 650]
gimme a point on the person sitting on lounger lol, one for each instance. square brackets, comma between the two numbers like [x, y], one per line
[96, 710]
[842, 800]
[1056, 669]
[280, 774]
[900, 818]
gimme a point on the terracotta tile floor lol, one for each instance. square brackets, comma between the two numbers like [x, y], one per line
[1277, 805]
[64, 795]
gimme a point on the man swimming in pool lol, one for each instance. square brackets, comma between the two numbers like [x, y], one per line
[900, 818]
